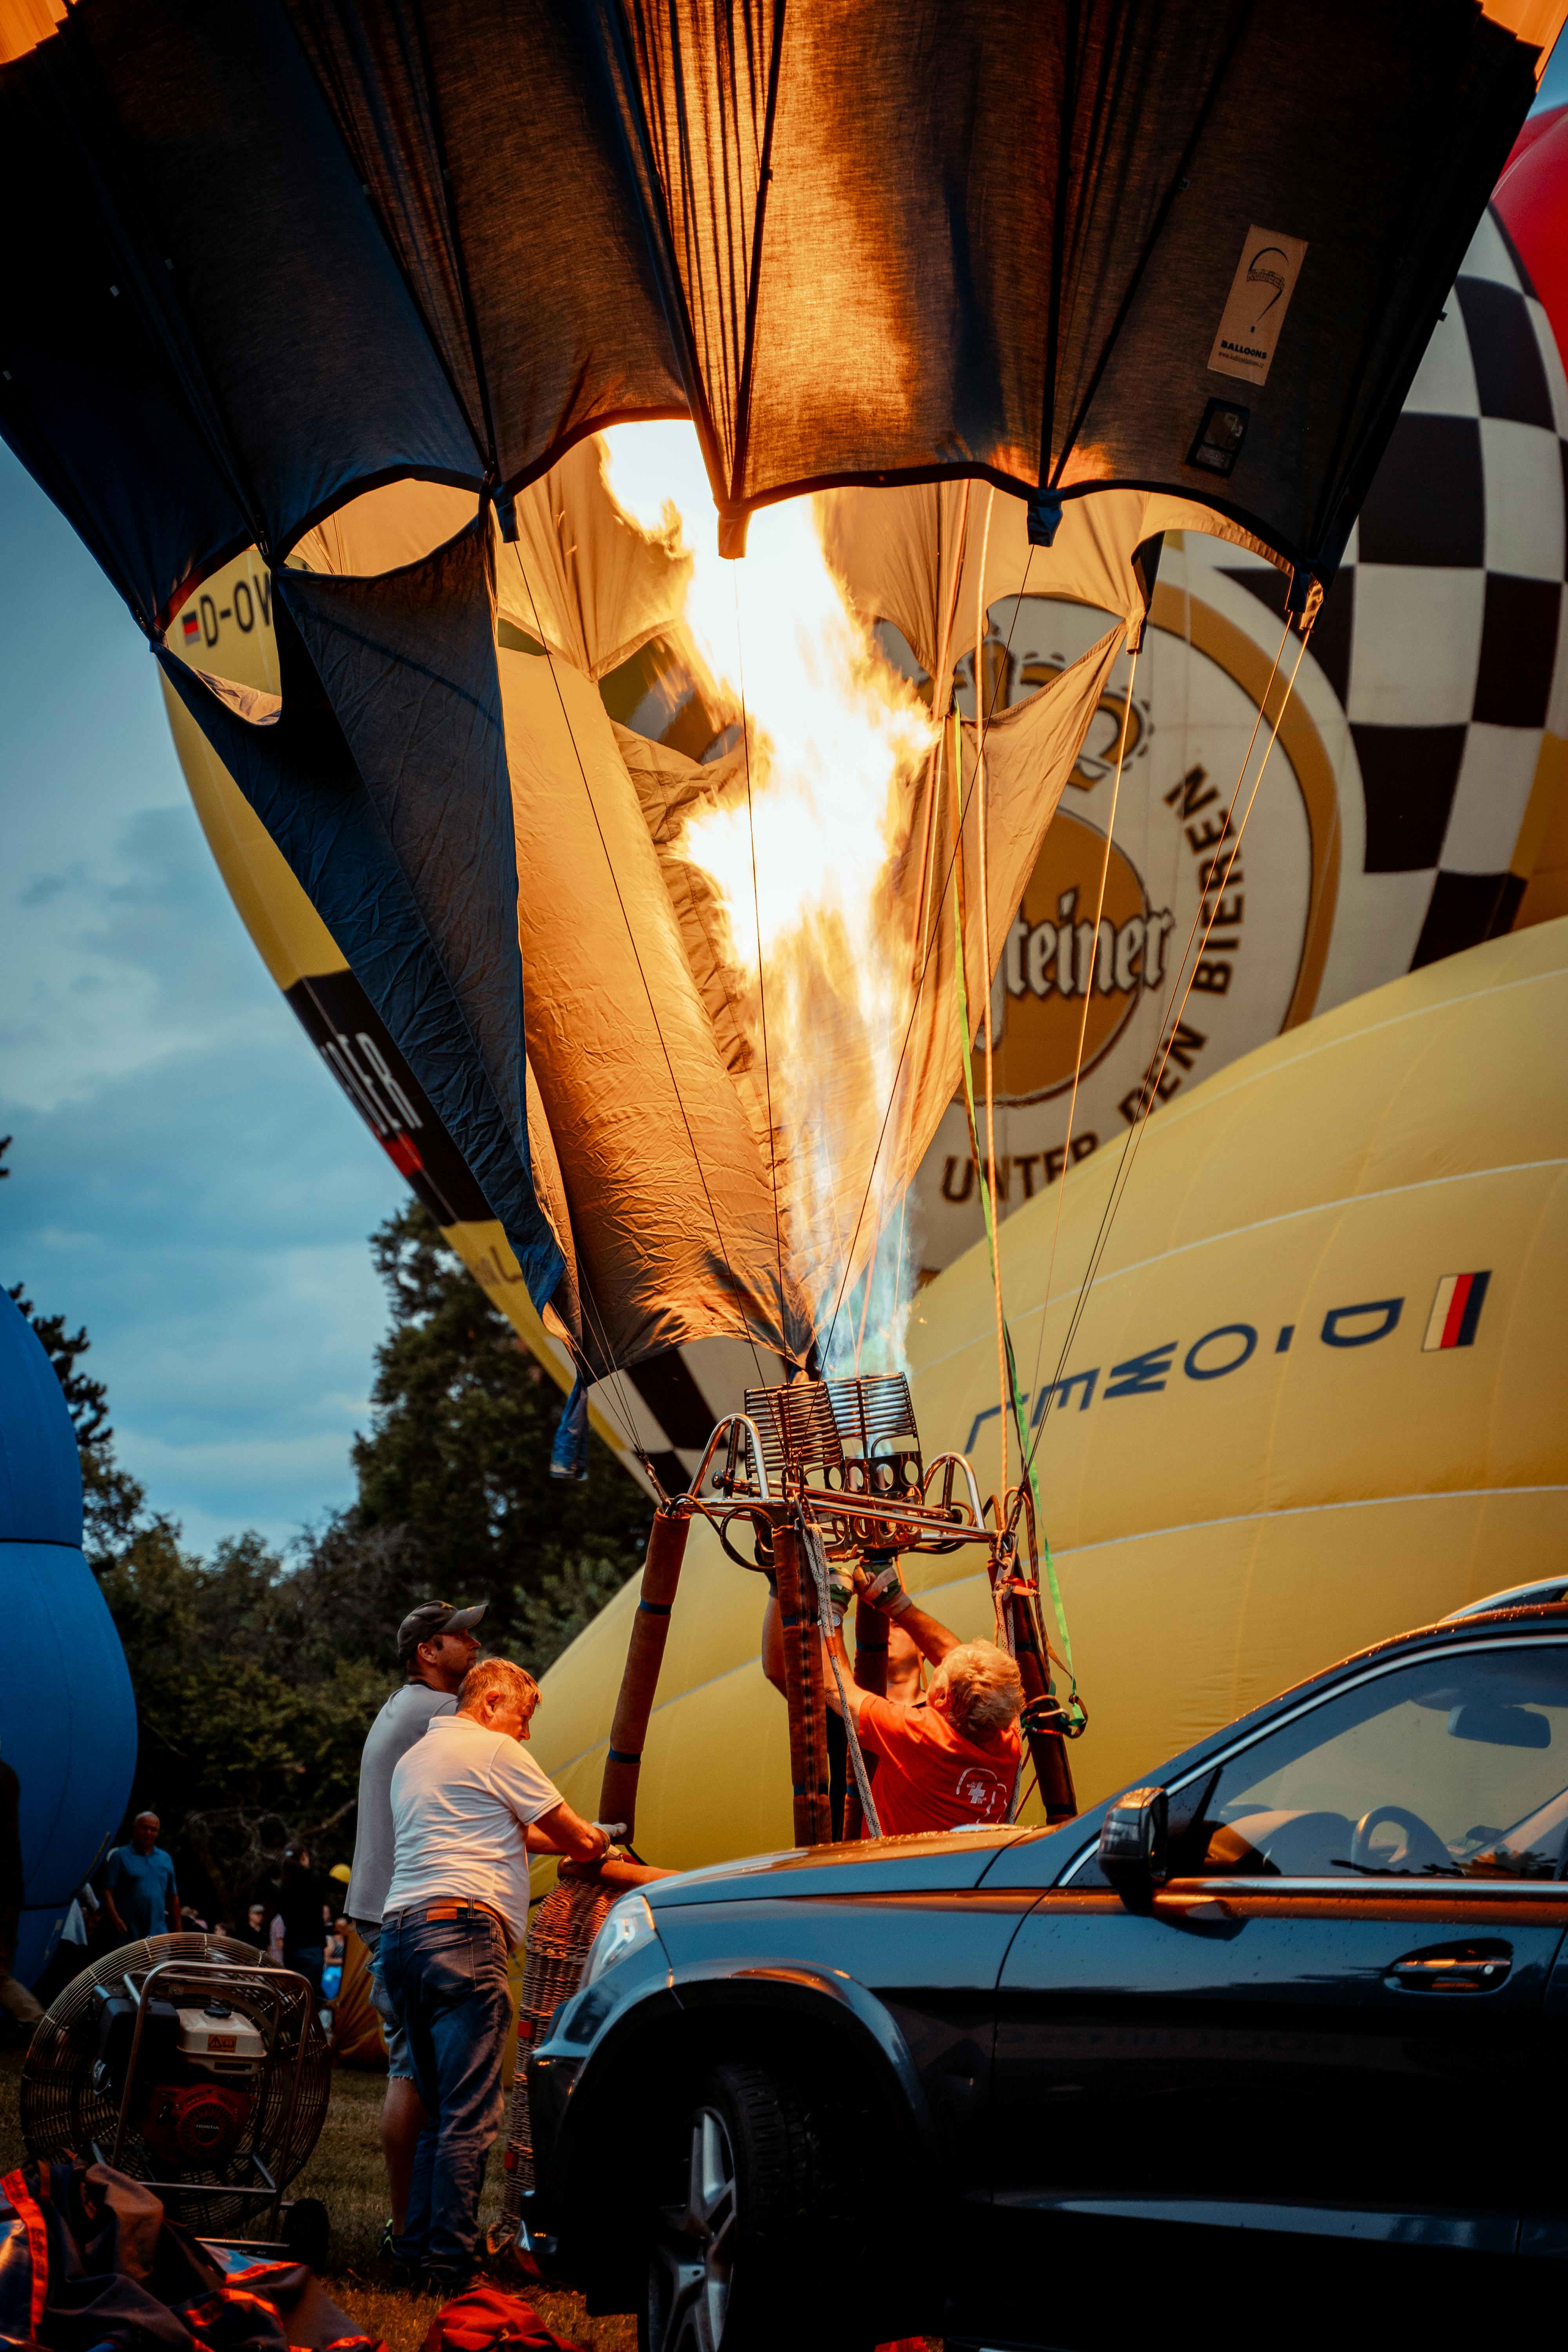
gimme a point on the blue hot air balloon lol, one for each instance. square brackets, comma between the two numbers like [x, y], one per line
[67, 1720]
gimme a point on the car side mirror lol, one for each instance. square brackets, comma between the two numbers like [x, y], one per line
[1132, 1845]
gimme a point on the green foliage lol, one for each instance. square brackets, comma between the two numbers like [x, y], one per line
[456, 1469]
[257, 1676]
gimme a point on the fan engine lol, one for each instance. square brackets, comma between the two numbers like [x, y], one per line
[191, 2062]
[196, 2073]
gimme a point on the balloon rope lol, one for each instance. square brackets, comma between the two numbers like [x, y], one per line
[1177, 971]
[940, 678]
[757, 919]
[988, 978]
[1013, 1397]
[1083, 1024]
[653, 1010]
[933, 786]
[1151, 1092]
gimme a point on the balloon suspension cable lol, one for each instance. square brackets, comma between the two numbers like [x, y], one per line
[934, 776]
[642, 975]
[1027, 1451]
[1026, 1496]
[931, 944]
[934, 785]
[982, 814]
[811, 1545]
[613, 1386]
[757, 920]
[1151, 1083]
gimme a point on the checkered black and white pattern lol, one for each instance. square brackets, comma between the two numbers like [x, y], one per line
[1444, 635]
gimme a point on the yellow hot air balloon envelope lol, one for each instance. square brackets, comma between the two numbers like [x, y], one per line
[1318, 1394]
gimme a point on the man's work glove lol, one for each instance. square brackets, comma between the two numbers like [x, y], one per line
[885, 1590]
[840, 1593]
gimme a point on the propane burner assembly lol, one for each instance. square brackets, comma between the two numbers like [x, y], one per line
[821, 1471]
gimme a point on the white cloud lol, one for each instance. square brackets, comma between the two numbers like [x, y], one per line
[187, 1181]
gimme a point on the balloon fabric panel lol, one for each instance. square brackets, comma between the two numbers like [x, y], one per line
[402, 842]
[670, 1203]
[93, 397]
[580, 577]
[496, 163]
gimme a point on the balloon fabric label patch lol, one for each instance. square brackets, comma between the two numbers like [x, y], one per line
[1255, 308]
[1456, 1311]
[1217, 445]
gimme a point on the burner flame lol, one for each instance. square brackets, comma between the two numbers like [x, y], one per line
[817, 936]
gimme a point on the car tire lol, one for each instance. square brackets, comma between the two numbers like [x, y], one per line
[750, 2200]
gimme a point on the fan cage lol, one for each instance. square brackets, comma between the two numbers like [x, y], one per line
[63, 2117]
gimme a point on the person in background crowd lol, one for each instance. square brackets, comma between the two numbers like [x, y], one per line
[16, 2000]
[84, 1922]
[437, 1645]
[302, 1908]
[468, 1805]
[139, 1891]
[332, 1972]
[256, 1931]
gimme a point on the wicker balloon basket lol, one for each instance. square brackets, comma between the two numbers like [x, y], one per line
[559, 1936]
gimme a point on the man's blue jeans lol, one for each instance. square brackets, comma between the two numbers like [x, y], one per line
[447, 1977]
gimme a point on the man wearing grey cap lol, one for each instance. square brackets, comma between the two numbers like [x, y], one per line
[435, 1647]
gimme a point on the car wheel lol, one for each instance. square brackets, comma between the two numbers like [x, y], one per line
[744, 2188]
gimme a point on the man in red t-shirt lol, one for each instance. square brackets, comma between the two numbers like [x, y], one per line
[950, 1759]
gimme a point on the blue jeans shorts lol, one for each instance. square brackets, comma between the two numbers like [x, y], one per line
[399, 2065]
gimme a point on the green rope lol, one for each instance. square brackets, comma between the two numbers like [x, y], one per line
[965, 1033]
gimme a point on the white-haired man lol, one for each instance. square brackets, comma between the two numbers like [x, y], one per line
[468, 1805]
[951, 1758]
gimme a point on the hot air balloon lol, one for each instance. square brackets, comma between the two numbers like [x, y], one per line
[1315, 1396]
[1412, 793]
[69, 1728]
[1191, 695]
[424, 270]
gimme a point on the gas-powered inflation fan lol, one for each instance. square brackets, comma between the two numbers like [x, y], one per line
[190, 2064]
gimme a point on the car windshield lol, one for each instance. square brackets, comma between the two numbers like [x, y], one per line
[1449, 1766]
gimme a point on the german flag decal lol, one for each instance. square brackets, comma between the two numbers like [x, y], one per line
[1456, 1311]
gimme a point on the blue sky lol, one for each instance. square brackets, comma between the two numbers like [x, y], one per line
[187, 1180]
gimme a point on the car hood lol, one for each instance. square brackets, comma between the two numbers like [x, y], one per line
[956, 1859]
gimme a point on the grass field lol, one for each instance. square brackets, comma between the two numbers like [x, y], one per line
[345, 2173]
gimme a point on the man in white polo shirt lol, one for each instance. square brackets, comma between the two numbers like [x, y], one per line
[468, 1805]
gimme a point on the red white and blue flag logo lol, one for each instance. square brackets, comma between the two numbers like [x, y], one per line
[1456, 1311]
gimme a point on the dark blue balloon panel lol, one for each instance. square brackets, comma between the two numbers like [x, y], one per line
[68, 1720]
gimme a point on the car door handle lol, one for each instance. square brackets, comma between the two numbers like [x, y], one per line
[1452, 1968]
